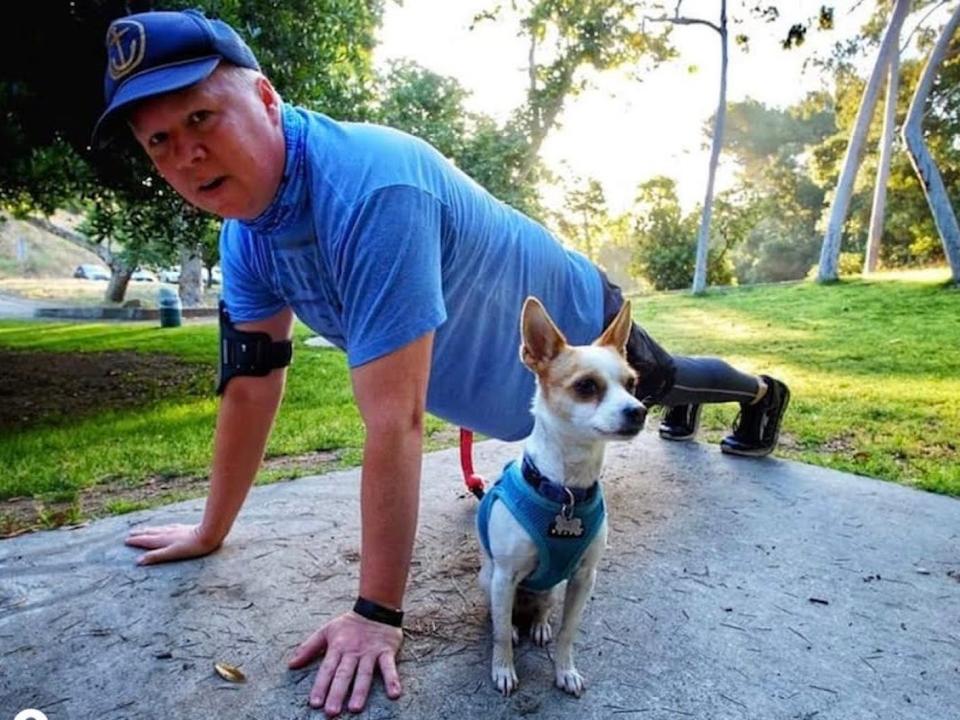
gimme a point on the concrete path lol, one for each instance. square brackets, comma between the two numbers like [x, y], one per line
[732, 589]
[15, 307]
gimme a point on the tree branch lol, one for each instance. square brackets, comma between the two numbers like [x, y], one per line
[685, 21]
[920, 22]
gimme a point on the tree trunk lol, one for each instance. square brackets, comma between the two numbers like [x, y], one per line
[830, 251]
[923, 163]
[119, 279]
[883, 172]
[191, 277]
[543, 121]
[703, 238]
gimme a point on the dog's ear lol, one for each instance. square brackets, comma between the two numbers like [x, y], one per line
[618, 331]
[541, 340]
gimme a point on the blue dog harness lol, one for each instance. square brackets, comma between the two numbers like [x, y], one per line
[561, 531]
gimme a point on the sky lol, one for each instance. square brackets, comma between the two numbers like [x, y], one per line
[621, 131]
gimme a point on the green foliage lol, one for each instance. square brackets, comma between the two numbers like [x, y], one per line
[425, 104]
[584, 221]
[147, 233]
[665, 239]
[431, 106]
[318, 53]
[565, 38]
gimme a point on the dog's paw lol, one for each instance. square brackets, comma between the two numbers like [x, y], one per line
[570, 681]
[505, 679]
[541, 633]
[515, 635]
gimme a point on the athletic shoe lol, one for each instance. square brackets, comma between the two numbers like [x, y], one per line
[680, 422]
[757, 427]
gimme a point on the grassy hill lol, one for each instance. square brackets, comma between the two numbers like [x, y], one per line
[40, 255]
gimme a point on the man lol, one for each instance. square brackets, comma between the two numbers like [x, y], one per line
[378, 243]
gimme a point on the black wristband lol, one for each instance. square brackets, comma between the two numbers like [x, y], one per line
[378, 613]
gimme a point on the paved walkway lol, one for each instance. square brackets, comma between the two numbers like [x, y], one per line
[15, 307]
[732, 589]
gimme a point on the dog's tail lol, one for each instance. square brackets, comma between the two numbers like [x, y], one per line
[475, 483]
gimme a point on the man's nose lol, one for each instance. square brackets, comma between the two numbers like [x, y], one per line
[188, 152]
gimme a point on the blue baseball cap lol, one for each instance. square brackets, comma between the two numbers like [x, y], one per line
[153, 53]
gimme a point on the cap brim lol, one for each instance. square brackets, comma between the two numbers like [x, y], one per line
[150, 83]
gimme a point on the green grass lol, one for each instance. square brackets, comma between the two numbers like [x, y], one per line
[873, 366]
[172, 438]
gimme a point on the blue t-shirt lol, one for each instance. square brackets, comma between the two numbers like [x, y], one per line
[374, 239]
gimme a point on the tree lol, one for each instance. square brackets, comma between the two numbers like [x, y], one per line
[564, 37]
[778, 204]
[584, 221]
[430, 106]
[703, 235]
[664, 239]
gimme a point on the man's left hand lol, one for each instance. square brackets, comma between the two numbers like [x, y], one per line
[352, 647]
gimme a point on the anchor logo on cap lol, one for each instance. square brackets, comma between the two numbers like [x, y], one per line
[126, 42]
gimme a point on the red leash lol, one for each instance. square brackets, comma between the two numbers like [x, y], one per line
[474, 482]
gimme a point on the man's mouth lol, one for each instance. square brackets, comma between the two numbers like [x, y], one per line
[213, 184]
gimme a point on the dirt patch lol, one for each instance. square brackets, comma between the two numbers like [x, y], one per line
[26, 514]
[314, 462]
[45, 388]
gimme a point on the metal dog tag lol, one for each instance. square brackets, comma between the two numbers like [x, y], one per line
[565, 527]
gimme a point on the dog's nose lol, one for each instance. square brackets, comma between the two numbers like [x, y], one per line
[633, 418]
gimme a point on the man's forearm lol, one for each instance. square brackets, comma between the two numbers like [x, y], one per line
[390, 499]
[246, 415]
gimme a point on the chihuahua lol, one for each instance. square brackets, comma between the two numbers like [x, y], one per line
[544, 522]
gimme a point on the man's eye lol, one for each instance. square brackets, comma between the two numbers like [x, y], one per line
[199, 116]
[586, 387]
[157, 140]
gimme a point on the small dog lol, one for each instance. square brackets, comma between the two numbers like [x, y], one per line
[544, 522]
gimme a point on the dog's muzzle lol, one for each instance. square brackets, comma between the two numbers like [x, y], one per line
[633, 419]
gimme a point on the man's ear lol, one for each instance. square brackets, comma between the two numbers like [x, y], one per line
[618, 331]
[542, 341]
[268, 96]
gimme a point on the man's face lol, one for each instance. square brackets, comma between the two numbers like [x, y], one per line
[219, 143]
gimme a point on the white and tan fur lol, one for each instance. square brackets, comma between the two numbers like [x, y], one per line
[571, 429]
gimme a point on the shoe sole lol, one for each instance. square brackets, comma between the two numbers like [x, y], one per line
[676, 438]
[688, 436]
[763, 452]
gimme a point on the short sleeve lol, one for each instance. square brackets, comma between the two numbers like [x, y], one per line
[388, 272]
[247, 292]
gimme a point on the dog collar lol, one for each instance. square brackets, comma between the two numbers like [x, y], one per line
[554, 491]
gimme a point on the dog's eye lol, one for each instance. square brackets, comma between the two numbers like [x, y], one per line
[631, 385]
[586, 387]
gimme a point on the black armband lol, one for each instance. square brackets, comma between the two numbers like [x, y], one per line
[248, 353]
[378, 613]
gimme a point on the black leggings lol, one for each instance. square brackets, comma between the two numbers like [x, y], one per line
[665, 379]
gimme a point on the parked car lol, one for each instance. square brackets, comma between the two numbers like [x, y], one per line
[89, 271]
[170, 274]
[141, 275]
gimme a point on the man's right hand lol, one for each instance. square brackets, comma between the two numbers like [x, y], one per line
[170, 542]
